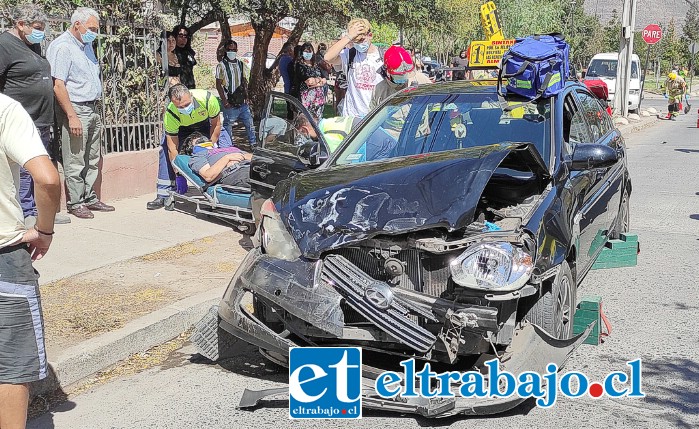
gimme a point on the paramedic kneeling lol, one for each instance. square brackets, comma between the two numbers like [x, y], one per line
[188, 111]
[227, 166]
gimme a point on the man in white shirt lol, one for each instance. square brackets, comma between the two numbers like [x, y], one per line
[22, 350]
[361, 65]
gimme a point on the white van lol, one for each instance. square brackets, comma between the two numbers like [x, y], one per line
[603, 67]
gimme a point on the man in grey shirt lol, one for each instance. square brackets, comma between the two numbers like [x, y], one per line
[77, 86]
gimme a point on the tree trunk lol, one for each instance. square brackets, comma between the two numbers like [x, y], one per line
[263, 80]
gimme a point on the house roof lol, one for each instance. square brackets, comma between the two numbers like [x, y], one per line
[246, 30]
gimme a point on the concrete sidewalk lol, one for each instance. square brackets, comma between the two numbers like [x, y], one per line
[130, 231]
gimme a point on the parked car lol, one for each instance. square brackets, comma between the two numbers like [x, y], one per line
[247, 57]
[433, 70]
[448, 227]
[604, 67]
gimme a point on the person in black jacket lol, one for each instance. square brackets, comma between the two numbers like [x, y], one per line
[185, 55]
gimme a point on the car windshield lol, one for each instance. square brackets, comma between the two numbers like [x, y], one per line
[414, 125]
[607, 68]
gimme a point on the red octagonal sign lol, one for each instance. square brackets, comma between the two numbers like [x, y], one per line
[652, 34]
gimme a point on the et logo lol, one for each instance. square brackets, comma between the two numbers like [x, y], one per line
[325, 383]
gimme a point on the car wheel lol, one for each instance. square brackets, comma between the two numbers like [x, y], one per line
[623, 219]
[555, 308]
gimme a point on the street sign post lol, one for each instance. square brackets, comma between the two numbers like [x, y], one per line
[651, 35]
[693, 50]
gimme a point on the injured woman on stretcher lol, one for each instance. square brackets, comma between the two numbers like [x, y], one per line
[227, 166]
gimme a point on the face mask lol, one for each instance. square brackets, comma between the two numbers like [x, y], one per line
[231, 55]
[307, 56]
[186, 110]
[36, 37]
[89, 36]
[362, 47]
[399, 80]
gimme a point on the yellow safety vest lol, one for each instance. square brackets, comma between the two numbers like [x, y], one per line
[335, 130]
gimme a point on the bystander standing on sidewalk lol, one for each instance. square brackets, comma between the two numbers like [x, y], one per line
[285, 61]
[185, 55]
[461, 62]
[78, 88]
[25, 76]
[309, 79]
[232, 86]
[361, 65]
[22, 350]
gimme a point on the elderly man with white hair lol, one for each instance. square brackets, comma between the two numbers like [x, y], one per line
[77, 86]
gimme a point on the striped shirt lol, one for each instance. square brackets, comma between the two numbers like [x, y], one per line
[75, 63]
[232, 80]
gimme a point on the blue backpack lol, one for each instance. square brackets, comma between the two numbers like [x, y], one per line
[535, 67]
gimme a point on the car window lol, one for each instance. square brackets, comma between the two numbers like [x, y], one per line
[575, 129]
[595, 114]
[284, 128]
[411, 125]
[602, 68]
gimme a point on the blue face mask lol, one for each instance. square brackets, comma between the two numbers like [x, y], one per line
[362, 47]
[307, 56]
[36, 37]
[186, 110]
[231, 55]
[89, 36]
[399, 80]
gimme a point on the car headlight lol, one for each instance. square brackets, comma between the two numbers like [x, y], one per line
[274, 238]
[492, 266]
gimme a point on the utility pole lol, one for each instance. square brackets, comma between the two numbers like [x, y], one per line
[623, 70]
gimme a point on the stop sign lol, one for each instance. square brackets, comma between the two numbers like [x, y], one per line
[652, 34]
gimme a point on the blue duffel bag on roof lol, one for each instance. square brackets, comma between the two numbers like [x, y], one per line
[535, 67]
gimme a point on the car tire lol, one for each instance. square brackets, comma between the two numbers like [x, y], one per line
[623, 219]
[555, 309]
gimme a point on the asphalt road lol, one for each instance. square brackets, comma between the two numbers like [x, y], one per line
[653, 308]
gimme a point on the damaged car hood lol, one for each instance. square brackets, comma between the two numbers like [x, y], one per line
[328, 208]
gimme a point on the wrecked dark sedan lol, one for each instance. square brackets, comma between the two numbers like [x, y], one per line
[451, 225]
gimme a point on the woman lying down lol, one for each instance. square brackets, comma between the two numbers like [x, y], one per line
[227, 166]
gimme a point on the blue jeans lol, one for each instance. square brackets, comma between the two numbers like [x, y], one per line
[232, 114]
[26, 183]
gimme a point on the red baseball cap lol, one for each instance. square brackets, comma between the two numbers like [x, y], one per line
[398, 61]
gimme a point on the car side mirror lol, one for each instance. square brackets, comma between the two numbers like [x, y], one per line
[311, 154]
[590, 156]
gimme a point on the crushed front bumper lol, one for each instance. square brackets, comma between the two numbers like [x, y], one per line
[291, 285]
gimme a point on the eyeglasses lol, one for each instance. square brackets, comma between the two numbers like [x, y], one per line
[184, 35]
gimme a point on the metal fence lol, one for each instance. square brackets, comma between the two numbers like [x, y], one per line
[132, 97]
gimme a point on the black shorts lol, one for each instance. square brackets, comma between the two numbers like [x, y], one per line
[22, 350]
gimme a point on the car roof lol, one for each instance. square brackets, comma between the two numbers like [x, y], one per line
[484, 86]
[610, 56]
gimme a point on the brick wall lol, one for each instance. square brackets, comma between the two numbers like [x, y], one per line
[213, 38]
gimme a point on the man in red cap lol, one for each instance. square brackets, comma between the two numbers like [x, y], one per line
[400, 74]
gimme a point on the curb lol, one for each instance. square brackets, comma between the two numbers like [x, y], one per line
[635, 126]
[99, 353]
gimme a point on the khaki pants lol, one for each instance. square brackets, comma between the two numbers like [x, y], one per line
[81, 154]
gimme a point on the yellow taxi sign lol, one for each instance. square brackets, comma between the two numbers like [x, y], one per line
[490, 21]
[488, 53]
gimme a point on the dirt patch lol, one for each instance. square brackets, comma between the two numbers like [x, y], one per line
[105, 299]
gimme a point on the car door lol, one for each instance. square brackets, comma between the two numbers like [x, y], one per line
[276, 156]
[604, 133]
[584, 185]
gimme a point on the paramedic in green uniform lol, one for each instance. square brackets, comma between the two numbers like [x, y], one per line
[189, 110]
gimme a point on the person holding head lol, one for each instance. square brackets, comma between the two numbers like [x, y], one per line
[189, 111]
[361, 65]
[185, 55]
[25, 76]
[232, 86]
[310, 81]
[400, 74]
[78, 88]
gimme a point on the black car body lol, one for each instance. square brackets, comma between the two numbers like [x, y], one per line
[476, 218]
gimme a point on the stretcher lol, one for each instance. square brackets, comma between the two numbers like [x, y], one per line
[228, 203]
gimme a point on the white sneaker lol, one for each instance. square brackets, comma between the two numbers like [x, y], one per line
[61, 219]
